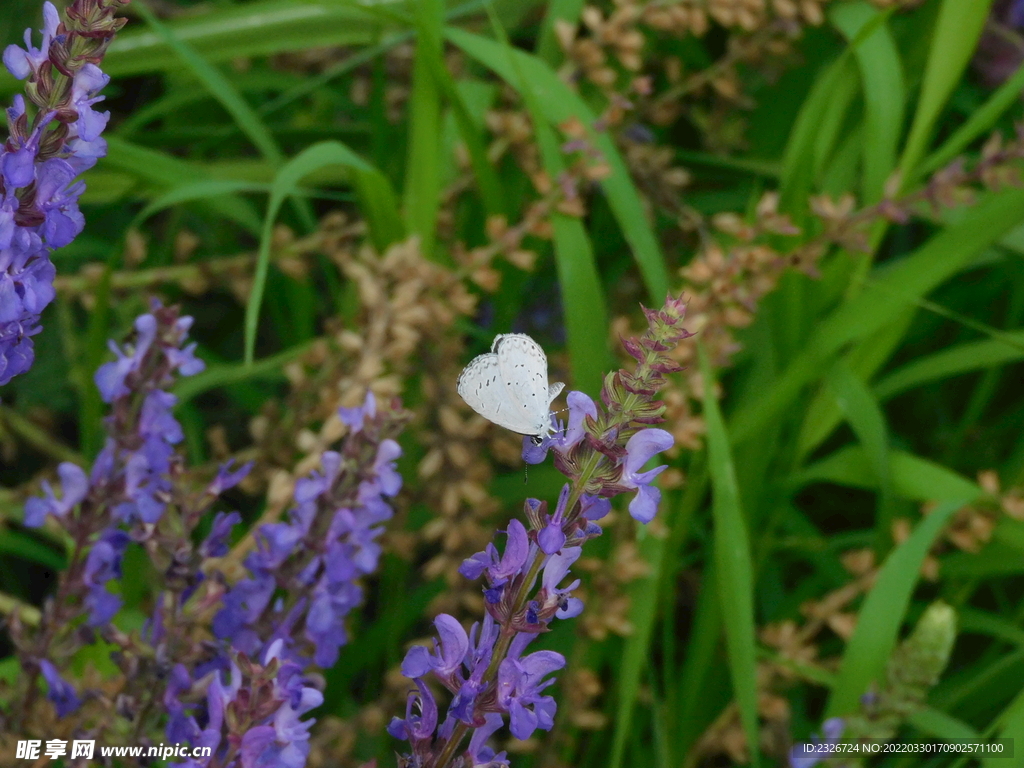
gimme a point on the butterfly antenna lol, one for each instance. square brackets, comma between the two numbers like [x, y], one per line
[526, 473]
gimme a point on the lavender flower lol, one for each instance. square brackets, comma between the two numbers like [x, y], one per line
[639, 450]
[44, 153]
[134, 479]
[520, 682]
[317, 556]
[602, 454]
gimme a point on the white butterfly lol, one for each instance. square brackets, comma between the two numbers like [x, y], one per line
[509, 385]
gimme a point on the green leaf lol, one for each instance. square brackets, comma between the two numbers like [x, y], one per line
[558, 103]
[981, 120]
[24, 546]
[881, 75]
[635, 663]
[733, 564]
[160, 172]
[233, 373]
[954, 41]
[548, 47]
[868, 423]
[422, 192]
[486, 178]
[953, 361]
[259, 28]
[582, 297]
[880, 617]
[1011, 726]
[378, 203]
[198, 190]
[864, 360]
[218, 86]
[912, 477]
[937, 723]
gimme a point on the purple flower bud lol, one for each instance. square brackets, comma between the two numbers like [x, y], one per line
[354, 417]
[216, 542]
[227, 478]
[551, 537]
[61, 692]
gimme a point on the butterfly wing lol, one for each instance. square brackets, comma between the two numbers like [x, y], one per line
[523, 367]
[480, 384]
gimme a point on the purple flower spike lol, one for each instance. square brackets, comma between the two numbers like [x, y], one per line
[216, 542]
[556, 569]
[53, 138]
[75, 486]
[639, 450]
[61, 692]
[23, 62]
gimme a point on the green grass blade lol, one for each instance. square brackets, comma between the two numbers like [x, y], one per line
[635, 664]
[218, 86]
[260, 28]
[733, 564]
[816, 132]
[233, 373]
[377, 201]
[822, 416]
[25, 547]
[954, 41]
[953, 361]
[159, 171]
[912, 477]
[879, 619]
[486, 177]
[1011, 727]
[981, 120]
[422, 191]
[586, 315]
[558, 103]
[881, 75]
[199, 190]
[868, 423]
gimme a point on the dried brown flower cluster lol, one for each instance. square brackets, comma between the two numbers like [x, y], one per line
[970, 528]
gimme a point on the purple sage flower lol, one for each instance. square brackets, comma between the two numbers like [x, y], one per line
[61, 692]
[46, 149]
[639, 450]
